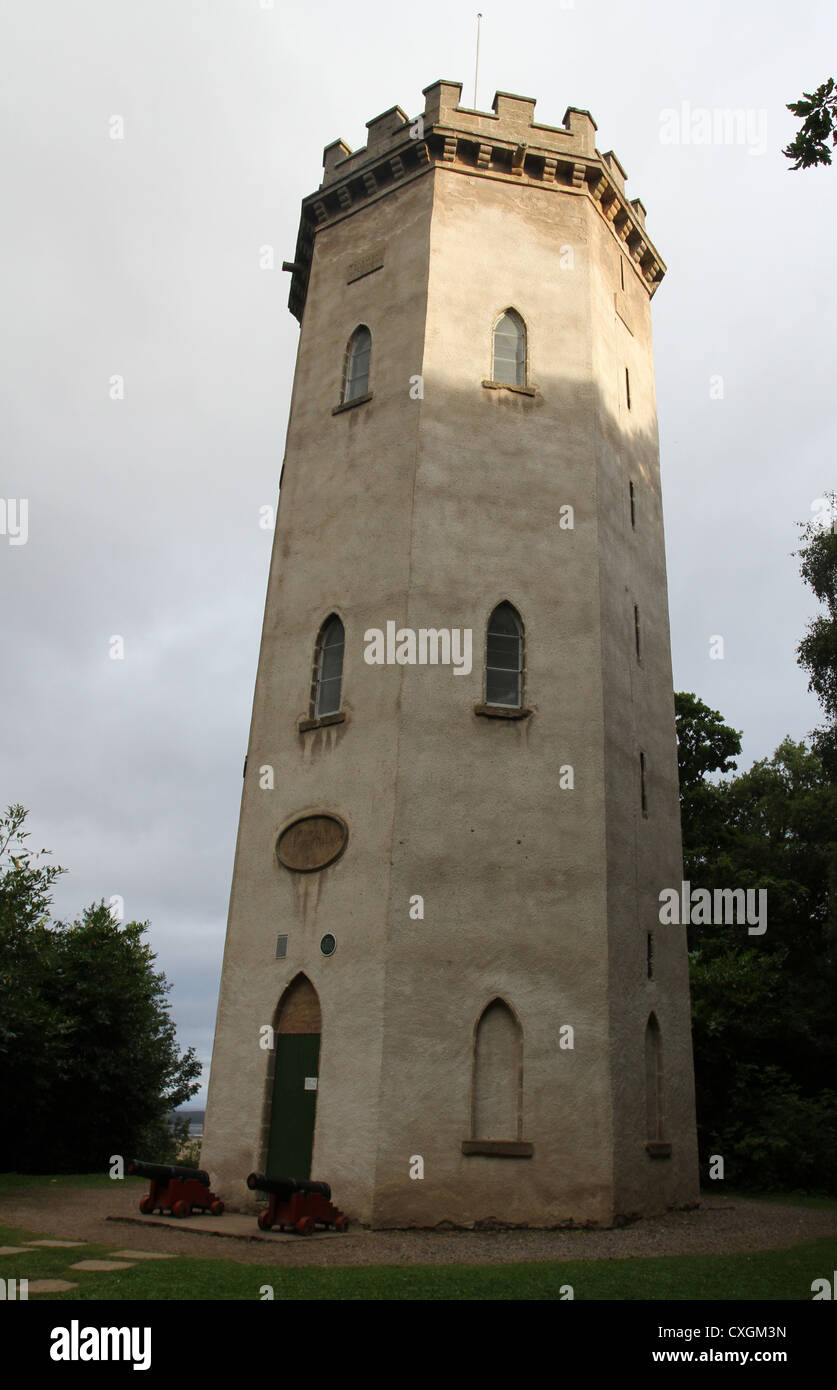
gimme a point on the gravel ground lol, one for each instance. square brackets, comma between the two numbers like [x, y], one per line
[721, 1225]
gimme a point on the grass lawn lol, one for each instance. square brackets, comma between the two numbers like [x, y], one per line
[11, 1182]
[770, 1274]
[786, 1199]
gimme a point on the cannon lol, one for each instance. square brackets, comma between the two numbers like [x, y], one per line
[298, 1203]
[175, 1189]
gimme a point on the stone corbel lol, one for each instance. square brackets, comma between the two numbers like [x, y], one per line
[449, 150]
[320, 210]
[344, 197]
[549, 167]
[518, 159]
[396, 164]
[484, 156]
[370, 184]
[422, 152]
[579, 171]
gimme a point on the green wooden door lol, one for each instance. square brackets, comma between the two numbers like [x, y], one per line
[294, 1105]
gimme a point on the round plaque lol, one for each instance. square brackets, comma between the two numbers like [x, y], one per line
[312, 843]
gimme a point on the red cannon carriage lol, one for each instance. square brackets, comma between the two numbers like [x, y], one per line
[178, 1190]
[297, 1203]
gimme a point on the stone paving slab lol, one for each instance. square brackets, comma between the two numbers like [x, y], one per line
[14, 1250]
[50, 1286]
[58, 1244]
[105, 1265]
[230, 1225]
[142, 1255]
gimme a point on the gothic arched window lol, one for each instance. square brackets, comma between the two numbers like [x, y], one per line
[497, 1092]
[504, 658]
[356, 369]
[328, 668]
[509, 366]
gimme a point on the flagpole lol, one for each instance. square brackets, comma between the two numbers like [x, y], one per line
[477, 64]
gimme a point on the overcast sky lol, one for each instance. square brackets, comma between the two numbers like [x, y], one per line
[139, 257]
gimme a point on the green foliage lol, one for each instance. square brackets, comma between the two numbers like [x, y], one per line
[89, 1064]
[764, 1013]
[705, 743]
[775, 1131]
[819, 109]
[189, 1152]
[705, 746]
[817, 652]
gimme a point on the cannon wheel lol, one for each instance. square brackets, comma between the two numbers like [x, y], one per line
[265, 1222]
[342, 1223]
[217, 1209]
[146, 1206]
[305, 1226]
[181, 1209]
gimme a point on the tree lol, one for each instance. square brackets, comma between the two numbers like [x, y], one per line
[26, 1017]
[705, 743]
[89, 1064]
[810, 145]
[817, 652]
[765, 1041]
[705, 746]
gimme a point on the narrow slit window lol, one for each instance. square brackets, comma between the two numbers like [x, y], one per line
[642, 787]
[633, 506]
[358, 357]
[628, 387]
[649, 955]
[504, 658]
[636, 632]
[328, 668]
[622, 270]
[654, 1120]
[509, 364]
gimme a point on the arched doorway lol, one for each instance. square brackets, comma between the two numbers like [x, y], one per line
[294, 1093]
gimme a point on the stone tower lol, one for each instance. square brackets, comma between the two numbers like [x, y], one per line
[445, 989]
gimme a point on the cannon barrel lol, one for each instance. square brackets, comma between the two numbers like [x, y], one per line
[164, 1172]
[286, 1187]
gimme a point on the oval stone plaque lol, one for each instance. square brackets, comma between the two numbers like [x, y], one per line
[311, 843]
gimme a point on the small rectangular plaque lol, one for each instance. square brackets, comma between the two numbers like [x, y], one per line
[310, 1083]
[374, 260]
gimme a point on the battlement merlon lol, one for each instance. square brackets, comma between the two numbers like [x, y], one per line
[505, 143]
[510, 120]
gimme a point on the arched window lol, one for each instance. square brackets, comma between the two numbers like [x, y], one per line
[497, 1110]
[510, 349]
[356, 371]
[653, 1081]
[328, 668]
[504, 658]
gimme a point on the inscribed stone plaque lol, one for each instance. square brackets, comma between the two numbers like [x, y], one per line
[311, 843]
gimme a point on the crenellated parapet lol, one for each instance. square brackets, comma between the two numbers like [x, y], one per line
[505, 143]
